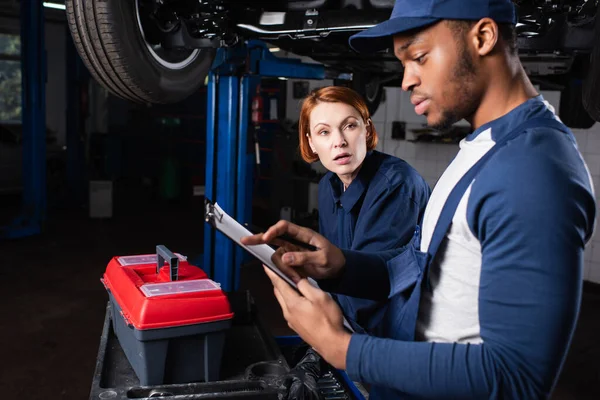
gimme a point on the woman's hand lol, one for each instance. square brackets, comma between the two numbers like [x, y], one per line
[326, 262]
[315, 316]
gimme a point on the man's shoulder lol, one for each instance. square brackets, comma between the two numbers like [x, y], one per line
[543, 152]
[549, 124]
[539, 171]
[535, 115]
[546, 140]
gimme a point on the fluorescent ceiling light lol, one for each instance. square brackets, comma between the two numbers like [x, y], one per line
[56, 6]
[274, 49]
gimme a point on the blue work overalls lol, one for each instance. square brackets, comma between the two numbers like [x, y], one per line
[408, 271]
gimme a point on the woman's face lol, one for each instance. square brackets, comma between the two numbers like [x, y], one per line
[338, 135]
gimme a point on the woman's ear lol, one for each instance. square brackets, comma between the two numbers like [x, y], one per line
[369, 127]
[310, 143]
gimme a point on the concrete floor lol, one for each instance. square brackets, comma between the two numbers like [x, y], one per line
[54, 303]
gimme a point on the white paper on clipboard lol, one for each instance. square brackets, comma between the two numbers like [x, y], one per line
[219, 219]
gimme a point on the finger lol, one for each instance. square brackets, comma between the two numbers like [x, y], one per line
[288, 271]
[278, 229]
[302, 258]
[310, 292]
[288, 293]
[285, 227]
[276, 280]
[271, 275]
[282, 244]
[253, 239]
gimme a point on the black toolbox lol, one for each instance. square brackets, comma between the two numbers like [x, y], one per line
[253, 366]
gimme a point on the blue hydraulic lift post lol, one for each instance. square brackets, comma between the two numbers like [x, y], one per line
[227, 114]
[33, 100]
[229, 165]
[210, 169]
[265, 64]
[223, 96]
[245, 167]
[241, 181]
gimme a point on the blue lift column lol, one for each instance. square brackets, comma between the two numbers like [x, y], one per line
[33, 67]
[230, 156]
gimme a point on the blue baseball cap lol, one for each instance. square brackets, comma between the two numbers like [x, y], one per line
[414, 14]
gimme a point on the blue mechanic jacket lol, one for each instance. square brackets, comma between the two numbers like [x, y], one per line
[377, 212]
[530, 204]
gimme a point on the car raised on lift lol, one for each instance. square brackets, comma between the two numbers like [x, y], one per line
[160, 51]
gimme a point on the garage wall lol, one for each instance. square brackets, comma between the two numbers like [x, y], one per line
[292, 111]
[432, 159]
[292, 105]
[589, 144]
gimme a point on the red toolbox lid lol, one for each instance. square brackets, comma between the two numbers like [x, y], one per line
[153, 296]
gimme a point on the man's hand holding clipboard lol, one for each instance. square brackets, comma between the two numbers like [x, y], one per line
[309, 311]
[322, 260]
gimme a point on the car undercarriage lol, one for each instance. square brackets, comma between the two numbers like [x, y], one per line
[177, 39]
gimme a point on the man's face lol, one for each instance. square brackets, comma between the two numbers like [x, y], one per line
[440, 72]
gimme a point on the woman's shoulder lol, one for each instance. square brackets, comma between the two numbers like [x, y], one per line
[326, 179]
[394, 171]
[325, 188]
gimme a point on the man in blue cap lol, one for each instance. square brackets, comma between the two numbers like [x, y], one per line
[484, 303]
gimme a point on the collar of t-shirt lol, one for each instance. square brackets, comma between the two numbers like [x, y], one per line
[506, 123]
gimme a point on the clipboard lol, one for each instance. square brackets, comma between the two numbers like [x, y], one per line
[220, 220]
[235, 231]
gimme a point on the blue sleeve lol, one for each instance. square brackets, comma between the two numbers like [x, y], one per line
[365, 275]
[532, 212]
[386, 225]
[390, 214]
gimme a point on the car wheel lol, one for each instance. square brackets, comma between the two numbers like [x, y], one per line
[571, 110]
[370, 89]
[110, 39]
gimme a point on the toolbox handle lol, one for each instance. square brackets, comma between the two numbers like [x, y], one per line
[163, 254]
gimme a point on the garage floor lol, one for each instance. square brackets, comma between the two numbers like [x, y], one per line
[53, 308]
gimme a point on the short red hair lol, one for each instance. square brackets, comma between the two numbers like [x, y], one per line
[332, 94]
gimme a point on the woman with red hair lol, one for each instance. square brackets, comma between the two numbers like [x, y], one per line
[368, 201]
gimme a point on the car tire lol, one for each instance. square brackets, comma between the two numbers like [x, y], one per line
[370, 89]
[109, 38]
[591, 83]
